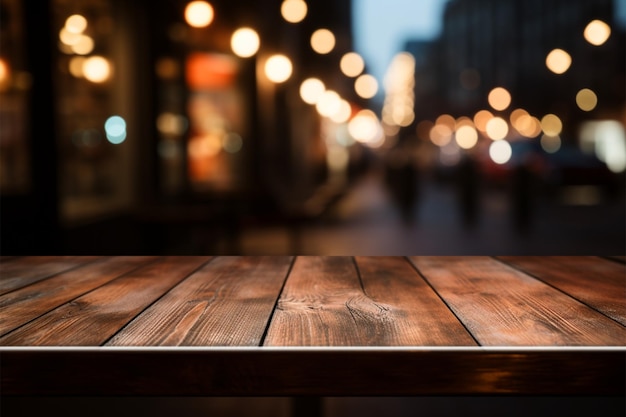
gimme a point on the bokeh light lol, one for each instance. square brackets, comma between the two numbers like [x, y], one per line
[69, 38]
[278, 68]
[352, 64]
[586, 99]
[440, 134]
[516, 115]
[328, 104]
[366, 86]
[481, 118]
[311, 90]
[466, 137]
[551, 125]
[500, 152]
[550, 144]
[558, 61]
[96, 69]
[115, 129]
[322, 41]
[499, 98]
[463, 121]
[343, 114]
[199, 14]
[403, 115]
[446, 120]
[76, 23]
[245, 42]
[4, 71]
[84, 46]
[497, 128]
[527, 125]
[293, 11]
[365, 127]
[171, 124]
[597, 32]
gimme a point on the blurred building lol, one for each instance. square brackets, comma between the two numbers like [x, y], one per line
[560, 60]
[133, 127]
[487, 44]
[126, 127]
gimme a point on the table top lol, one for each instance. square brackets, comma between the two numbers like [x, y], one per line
[284, 324]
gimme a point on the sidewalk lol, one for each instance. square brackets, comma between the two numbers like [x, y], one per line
[365, 222]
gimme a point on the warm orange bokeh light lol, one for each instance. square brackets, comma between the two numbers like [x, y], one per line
[586, 99]
[245, 42]
[440, 134]
[366, 86]
[352, 64]
[597, 32]
[311, 90]
[323, 41]
[499, 98]
[466, 137]
[293, 11]
[497, 128]
[558, 61]
[199, 14]
[278, 68]
[96, 69]
[481, 118]
[551, 125]
[446, 120]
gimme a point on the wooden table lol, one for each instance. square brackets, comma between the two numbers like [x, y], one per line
[309, 325]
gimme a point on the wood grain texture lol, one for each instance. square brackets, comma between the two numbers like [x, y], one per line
[597, 282]
[27, 303]
[23, 271]
[504, 307]
[93, 318]
[317, 304]
[413, 313]
[324, 303]
[227, 303]
[323, 372]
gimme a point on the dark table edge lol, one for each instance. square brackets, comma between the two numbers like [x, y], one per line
[304, 371]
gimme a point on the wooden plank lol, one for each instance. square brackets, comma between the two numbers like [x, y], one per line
[596, 282]
[502, 306]
[313, 308]
[27, 303]
[93, 318]
[325, 304]
[408, 311]
[227, 303]
[29, 269]
[324, 372]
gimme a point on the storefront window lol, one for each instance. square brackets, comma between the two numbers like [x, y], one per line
[217, 122]
[92, 125]
[15, 83]
[203, 110]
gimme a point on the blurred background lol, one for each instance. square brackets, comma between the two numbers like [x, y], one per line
[312, 127]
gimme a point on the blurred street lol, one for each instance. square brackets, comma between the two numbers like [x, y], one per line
[336, 127]
[366, 222]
